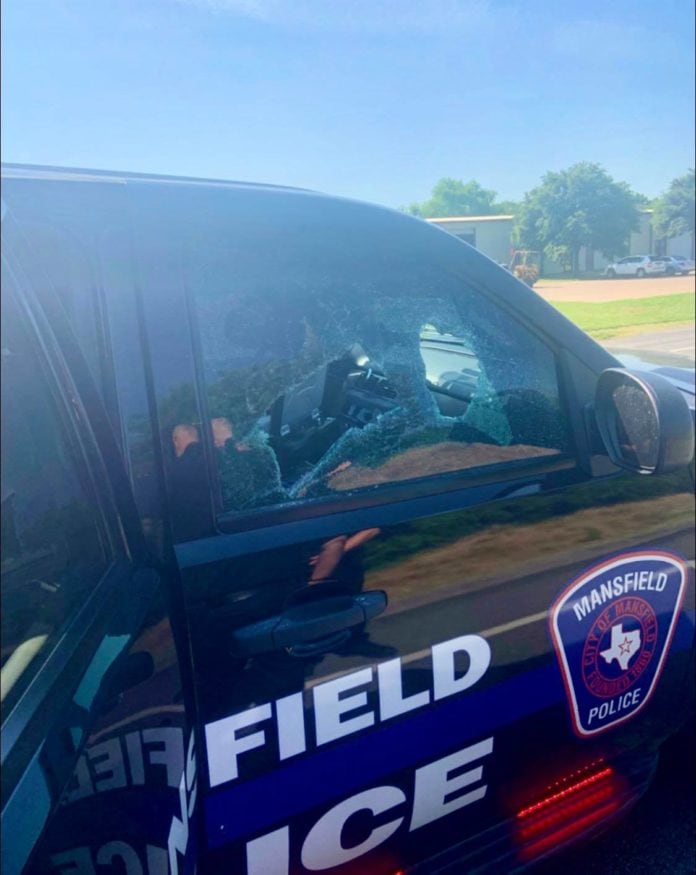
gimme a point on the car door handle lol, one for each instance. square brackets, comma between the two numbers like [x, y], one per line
[307, 622]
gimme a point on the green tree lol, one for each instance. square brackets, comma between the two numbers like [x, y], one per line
[574, 208]
[453, 197]
[642, 201]
[674, 211]
[508, 208]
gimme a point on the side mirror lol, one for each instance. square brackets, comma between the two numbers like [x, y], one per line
[644, 421]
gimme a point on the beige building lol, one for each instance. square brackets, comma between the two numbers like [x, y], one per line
[492, 235]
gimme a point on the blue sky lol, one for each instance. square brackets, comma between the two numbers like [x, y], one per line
[375, 100]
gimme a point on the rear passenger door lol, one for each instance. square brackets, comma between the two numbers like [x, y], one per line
[93, 723]
[380, 481]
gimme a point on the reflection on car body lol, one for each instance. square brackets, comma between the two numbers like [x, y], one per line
[335, 540]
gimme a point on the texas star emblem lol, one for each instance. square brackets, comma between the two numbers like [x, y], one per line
[611, 628]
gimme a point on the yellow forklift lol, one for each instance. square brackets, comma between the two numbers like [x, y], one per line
[525, 264]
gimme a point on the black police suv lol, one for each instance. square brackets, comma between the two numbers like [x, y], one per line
[327, 545]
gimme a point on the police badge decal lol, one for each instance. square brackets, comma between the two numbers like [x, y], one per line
[611, 629]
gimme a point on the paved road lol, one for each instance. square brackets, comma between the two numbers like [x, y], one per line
[659, 346]
[591, 291]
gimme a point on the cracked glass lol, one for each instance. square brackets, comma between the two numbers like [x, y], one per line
[330, 370]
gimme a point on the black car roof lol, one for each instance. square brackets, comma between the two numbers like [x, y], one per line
[38, 171]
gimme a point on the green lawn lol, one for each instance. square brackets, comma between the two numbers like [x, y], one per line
[609, 318]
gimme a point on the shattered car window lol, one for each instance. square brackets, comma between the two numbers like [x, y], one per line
[322, 382]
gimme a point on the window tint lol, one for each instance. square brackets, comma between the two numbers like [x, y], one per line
[334, 366]
[67, 259]
[81, 247]
[53, 551]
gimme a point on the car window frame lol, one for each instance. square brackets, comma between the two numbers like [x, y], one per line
[569, 465]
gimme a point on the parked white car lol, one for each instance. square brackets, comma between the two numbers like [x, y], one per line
[636, 265]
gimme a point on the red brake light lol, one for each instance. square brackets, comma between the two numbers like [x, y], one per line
[570, 807]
